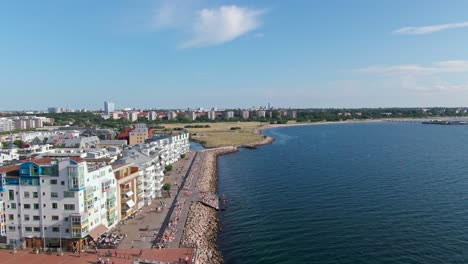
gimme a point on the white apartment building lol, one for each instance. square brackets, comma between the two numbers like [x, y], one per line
[151, 158]
[229, 114]
[171, 115]
[261, 113]
[192, 115]
[212, 115]
[152, 116]
[245, 114]
[56, 203]
[6, 124]
[132, 116]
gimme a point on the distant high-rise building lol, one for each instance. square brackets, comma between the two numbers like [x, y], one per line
[192, 115]
[171, 115]
[261, 113]
[132, 116]
[212, 115]
[109, 107]
[292, 114]
[54, 110]
[229, 114]
[6, 124]
[152, 116]
[245, 114]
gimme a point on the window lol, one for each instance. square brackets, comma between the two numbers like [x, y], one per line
[37, 229]
[27, 206]
[36, 206]
[36, 218]
[55, 218]
[53, 182]
[62, 182]
[11, 217]
[55, 229]
[68, 194]
[66, 219]
[11, 195]
[11, 228]
[54, 206]
[26, 194]
[35, 195]
[13, 205]
[54, 194]
[67, 230]
[28, 229]
[69, 207]
[26, 217]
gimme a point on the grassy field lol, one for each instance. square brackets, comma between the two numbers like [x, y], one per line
[220, 134]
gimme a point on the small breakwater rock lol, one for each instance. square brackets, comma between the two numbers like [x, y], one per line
[202, 225]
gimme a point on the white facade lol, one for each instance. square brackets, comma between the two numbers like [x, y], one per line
[193, 115]
[245, 114]
[171, 115]
[212, 115]
[58, 200]
[132, 116]
[229, 114]
[151, 158]
[152, 116]
[6, 124]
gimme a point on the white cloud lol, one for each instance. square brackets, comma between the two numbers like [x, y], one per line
[172, 13]
[451, 66]
[429, 29]
[219, 25]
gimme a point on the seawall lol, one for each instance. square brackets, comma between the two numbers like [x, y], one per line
[202, 225]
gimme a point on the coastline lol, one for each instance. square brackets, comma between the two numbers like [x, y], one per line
[203, 224]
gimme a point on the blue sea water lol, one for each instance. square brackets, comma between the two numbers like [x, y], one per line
[196, 146]
[348, 193]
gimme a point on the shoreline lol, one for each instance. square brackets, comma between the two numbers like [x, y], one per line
[202, 226]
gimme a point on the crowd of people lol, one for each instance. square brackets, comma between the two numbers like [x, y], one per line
[172, 227]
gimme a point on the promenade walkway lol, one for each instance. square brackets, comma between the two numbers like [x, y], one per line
[137, 236]
[180, 205]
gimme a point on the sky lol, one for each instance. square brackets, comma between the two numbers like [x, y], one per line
[207, 53]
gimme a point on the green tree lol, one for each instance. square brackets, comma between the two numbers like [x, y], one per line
[182, 156]
[18, 143]
[167, 187]
[168, 167]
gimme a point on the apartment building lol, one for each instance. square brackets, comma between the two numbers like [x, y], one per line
[245, 114]
[229, 114]
[131, 190]
[57, 203]
[139, 134]
[6, 124]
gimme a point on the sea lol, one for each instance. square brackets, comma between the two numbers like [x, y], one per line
[381, 192]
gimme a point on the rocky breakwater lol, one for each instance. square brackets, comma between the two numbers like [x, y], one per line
[202, 226]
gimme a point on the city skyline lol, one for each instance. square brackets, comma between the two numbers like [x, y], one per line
[178, 54]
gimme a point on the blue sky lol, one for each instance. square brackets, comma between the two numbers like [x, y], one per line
[207, 53]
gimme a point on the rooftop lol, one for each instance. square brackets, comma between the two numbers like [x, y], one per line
[169, 255]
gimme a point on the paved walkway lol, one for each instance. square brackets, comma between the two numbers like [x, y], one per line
[179, 205]
[191, 196]
[137, 236]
